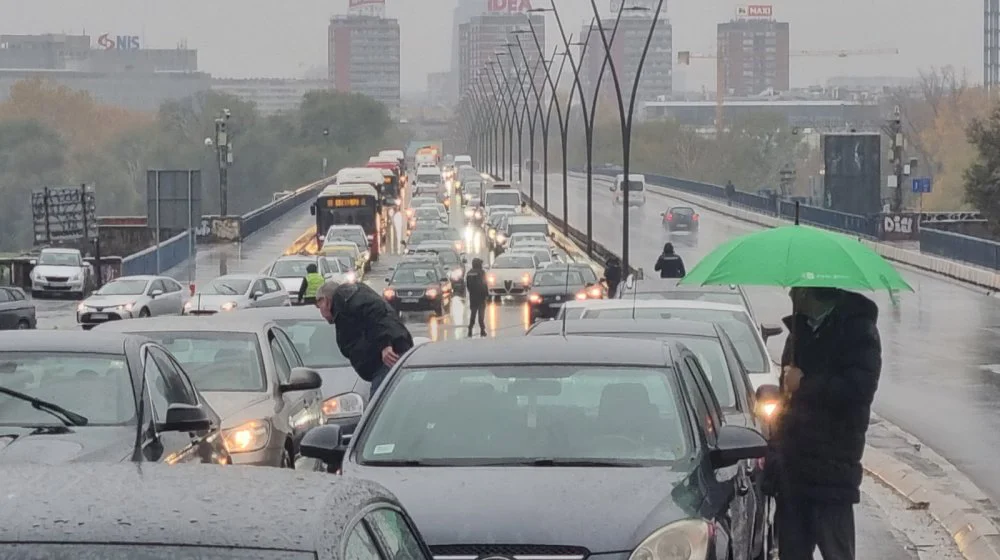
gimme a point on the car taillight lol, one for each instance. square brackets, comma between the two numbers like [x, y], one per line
[595, 293]
[694, 218]
[388, 293]
[535, 298]
[581, 295]
[670, 217]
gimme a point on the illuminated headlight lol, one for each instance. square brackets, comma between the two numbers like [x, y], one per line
[468, 196]
[399, 201]
[479, 214]
[459, 246]
[81, 308]
[767, 409]
[187, 306]
[366, 255]
[682, 540]
[456, 274]
[228, 306]
[501, 238]
[248, 437]
[469, 212]
[343, 406]
[125, 307]
[351, 277]
[491, 279]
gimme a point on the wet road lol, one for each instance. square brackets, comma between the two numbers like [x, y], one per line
[941, 345]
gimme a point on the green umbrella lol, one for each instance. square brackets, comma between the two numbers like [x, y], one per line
[797, 256]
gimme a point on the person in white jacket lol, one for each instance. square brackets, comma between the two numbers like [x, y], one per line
[397, 225]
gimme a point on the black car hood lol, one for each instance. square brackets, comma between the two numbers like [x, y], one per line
[554, 290]
[57, 445]
[599, 508]
[408, 287]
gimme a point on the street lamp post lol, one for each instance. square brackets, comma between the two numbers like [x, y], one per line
[514, 100]
[224, 154]
[501, 132]
[626, 116]
[491, 111]
[526, 110]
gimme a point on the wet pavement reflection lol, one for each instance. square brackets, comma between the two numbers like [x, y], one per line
[941, 345]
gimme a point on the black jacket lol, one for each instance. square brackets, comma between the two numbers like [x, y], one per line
[670, 266]
[821, 432]
[613, 273]
[366, 324]
[475, 282]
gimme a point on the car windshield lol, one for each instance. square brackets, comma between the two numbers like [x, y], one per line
[291, 268]
[227, 287]
[123, 287]
[736, 324]
[444, 255]
[558, 278]
[79, 551]
[513, 261]
[419, 201]
[59, 259]
[350, 234]
[426, 235]
[348, 250]
[541, 228]
[96, 386]
[682, 211]
[429, 178]
[633, 185]
[427, 213]
[477, 416]
[315, 340]
[527, 239]
[733, 298]
[541, 255]
[503, 198]
[415, 275]
[217, 361]
[588, 274]
[346, 262]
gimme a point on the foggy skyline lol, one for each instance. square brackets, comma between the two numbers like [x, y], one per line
[252, 39]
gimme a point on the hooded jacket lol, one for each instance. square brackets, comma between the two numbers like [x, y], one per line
[820, 435]
[366, 324]
[475, 282]
[670, 264]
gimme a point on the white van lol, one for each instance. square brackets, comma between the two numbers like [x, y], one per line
[501, 197]
[430, 175]
[636, 189]
[462, 160]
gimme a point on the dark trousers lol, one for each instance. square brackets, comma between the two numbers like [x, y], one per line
[477, 309]
[377, 380]
[612, 290]
[802, 524]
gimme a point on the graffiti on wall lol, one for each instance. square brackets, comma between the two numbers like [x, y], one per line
[216, 228]
[899, 227]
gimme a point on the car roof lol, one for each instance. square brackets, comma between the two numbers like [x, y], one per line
[345, 226]
[146, 277]
[670, 285]
[540, 350]
[283, 312]
[45, 340]
[654, 304]
[520, 219]
[241, 276]
[668, 327]
[231, 507]
[228, 322]
[59, 250]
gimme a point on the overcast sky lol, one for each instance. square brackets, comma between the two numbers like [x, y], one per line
[255, 38]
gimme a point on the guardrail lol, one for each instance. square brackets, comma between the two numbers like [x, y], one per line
[253, 221]
[173, 252]
[951, 246]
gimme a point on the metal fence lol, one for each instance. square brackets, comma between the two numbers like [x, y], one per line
[173, 252]
[254, 220]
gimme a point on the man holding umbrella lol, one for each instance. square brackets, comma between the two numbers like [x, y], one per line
[831, 365]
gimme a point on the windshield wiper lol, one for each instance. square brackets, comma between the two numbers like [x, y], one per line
[67, 417]
[549, 462]
[232, 290]
[397, 463]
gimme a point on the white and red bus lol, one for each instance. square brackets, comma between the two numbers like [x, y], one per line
[351, 204]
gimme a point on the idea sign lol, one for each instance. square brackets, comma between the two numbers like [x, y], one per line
[121, 42]
[508, 6]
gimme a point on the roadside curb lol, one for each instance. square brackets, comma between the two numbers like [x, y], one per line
[976, 536]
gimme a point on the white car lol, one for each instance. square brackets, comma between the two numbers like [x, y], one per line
[543, 255]
[237, 291]
[527, 238]
[290, 270]
[735, 320]
[61, 271]
[636, 189]
[130, 297]
[511, 275]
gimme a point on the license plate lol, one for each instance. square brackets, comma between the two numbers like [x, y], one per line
[682, 226]
[98, 316]
[410, 300]
[555, 305]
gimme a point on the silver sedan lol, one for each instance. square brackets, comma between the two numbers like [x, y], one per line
[237, 291]
[130, 297]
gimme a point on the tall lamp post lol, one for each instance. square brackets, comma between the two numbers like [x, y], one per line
[488, 103]
[514, 100]
[525, 111]
[626, 115]
[501, 133]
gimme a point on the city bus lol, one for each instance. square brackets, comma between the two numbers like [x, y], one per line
[351, 204]
[393, 179]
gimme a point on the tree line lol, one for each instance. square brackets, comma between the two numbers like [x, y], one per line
[51, 135]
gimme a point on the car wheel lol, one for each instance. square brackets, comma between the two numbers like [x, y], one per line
[286, 459]
[144, 313]
[23, 325]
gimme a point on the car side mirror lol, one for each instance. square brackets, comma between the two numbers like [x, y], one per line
[735, 444]
[185, 418]
[258, 294]
[403, 243]
[301, 379]
[325, 443]
[663, 214]
[312, 209]
[155, 293]
[770, 330]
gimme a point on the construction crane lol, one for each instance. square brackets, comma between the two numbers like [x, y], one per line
[685, 57]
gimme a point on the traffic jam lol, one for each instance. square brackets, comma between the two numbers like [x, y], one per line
[620, 425]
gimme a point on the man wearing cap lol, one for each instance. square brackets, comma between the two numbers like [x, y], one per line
[369, 332]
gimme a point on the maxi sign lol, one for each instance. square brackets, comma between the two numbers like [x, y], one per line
[508, 6]
[754, 11]
[121, 42]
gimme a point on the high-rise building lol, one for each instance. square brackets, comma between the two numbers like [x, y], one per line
[465, 11]
[364, 57]
[991, 43]
[656, 80]
[484, 35]
[753, 54]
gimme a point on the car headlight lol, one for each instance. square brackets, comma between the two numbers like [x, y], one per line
[491, 279]
[456, 274]
[229, 306]
[81, 308]
[351, 277]
[126, 307]
[343, 406]
[469, 212]
[366, 255]
[248, 437]
[187, 305]
[687, 539]
[76, 276]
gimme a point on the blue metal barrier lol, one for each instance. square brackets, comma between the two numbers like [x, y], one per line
[254, 220]
[958, 247]
[173, 252]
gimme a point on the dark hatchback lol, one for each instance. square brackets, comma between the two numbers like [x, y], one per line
[557, 447]
[681, 218]
[419, 285]
[552, 287]
[16, 310]
[71, 397]
[128, 512]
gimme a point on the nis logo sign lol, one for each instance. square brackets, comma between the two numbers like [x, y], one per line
[508, 6]
[120, 42]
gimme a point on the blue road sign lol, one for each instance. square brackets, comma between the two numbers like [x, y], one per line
[921, 185]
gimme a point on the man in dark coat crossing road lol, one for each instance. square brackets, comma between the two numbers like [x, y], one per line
[670, 264]
[369, 331]
[831, 366]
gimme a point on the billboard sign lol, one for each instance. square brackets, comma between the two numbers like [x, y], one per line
[64, 213]
[755, 11]
[852, 182]
[374, 8]
[508, 6]
[119, 42]
[173, 199]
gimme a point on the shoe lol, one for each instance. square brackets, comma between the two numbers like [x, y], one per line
[483, 334]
